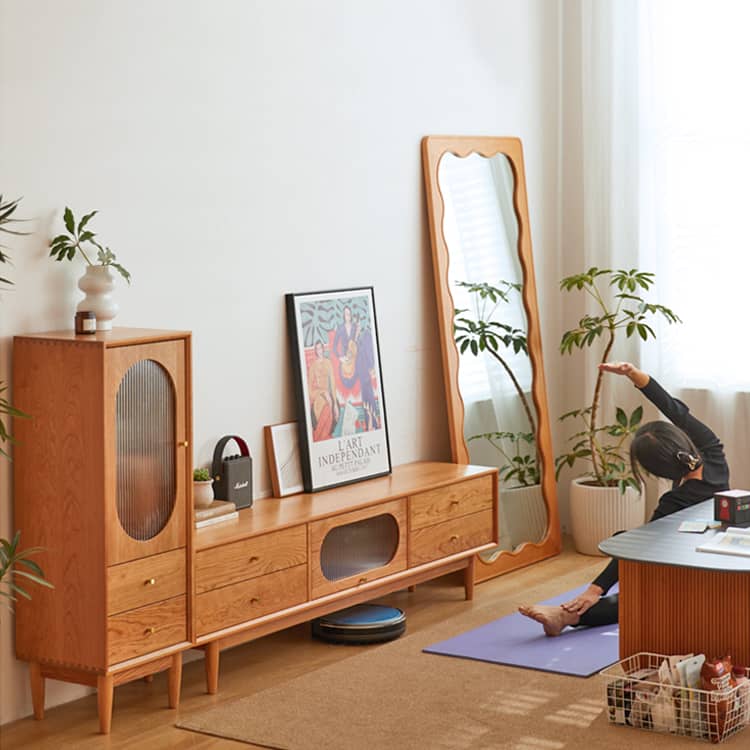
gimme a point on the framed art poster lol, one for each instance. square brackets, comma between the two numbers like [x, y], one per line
[282, 447]
[343, 434]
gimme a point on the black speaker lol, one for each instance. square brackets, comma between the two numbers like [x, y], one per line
[233, 475]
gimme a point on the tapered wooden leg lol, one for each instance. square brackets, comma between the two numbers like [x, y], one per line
[105, 689]
[175, 680]
[37, 689]
[212, 667]
[469, 579]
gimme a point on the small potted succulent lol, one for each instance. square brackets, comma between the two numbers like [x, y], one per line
[203, 492]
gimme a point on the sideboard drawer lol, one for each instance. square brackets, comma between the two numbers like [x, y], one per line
[460, 499]
[145, 581]
[230, 605]
[450, 537]
[146, 629]
[249, 558]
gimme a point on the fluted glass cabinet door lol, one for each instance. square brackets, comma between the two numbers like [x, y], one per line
[146, 449]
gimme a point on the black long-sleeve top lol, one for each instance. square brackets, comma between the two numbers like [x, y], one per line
[692, 491]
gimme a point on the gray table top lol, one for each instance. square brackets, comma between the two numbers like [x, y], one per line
[660, 542]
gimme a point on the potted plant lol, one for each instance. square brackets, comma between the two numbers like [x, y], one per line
[203, 492]
[607, 498]
[97, 283]
[523, 514]
[14, 562]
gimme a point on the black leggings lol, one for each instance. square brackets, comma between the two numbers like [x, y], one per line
[604, 612]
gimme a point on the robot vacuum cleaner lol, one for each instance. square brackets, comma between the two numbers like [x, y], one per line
[363, 623]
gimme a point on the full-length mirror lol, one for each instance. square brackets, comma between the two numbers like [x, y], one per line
[492, 356]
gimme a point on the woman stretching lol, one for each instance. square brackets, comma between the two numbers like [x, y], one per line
[687, 452]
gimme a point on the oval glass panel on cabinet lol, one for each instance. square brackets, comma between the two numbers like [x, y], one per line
[146, 449]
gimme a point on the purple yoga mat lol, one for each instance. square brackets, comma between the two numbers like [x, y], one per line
[520, 642]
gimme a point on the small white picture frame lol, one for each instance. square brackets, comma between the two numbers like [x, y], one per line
[282, 445]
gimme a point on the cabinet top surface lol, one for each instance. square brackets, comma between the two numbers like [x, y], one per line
[115, 337]
[272, 513]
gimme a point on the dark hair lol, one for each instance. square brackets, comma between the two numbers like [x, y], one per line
[664, 451]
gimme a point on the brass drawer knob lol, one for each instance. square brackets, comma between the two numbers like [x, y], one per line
[150, 631]
[362, 580]
[183, 443]
[454, 503]
[254, 600]
[150, 582]
[454, 537]
[253, 559]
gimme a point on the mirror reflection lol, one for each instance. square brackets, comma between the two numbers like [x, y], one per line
[495, 375]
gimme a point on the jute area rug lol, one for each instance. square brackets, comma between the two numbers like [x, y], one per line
[394, 697]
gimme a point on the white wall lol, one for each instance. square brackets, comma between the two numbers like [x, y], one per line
[239, 150]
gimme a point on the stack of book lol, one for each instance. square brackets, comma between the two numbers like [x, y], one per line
[218, 511]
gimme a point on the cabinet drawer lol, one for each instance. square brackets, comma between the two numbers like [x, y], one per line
[247, 600]
[140, 631]
[434, 506]
[141, 582]
[249, 558]
[450, 537]
[353, 548]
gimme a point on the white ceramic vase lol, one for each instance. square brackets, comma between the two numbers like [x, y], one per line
[98, 284]
[203, 494]
[596, 513]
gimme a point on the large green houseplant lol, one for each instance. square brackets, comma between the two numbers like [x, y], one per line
[14, 562]
[620, 311]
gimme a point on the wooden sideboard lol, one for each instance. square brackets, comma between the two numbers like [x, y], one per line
[289, 560]
[102, 484]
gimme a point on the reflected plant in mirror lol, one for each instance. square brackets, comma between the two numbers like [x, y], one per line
[482, 333]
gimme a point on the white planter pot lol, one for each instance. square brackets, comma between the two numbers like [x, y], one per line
[98, 284]
[203, 494]
[596, 513]
[522, 517]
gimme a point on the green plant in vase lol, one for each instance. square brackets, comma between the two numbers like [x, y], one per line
[620, 311]
[14, 562]
[480, 333]
[66, 246]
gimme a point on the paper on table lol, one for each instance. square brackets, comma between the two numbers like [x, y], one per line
[733, 541]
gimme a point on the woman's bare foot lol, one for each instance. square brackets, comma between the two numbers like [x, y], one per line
[552, 619]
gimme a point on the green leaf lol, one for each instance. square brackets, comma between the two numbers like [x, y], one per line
[621, 417]
[636, 416]
[70, 223]
[85, 220]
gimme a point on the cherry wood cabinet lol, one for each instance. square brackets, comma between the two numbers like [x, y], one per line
[102, 480]
[102, 483]
[289, 560]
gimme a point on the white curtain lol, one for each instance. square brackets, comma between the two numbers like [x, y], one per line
[666, 143]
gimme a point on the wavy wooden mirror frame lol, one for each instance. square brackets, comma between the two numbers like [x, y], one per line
[433, 149]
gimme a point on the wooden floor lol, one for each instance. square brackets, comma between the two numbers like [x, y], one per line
[141, 718]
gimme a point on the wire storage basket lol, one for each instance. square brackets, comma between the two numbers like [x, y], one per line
[636, 697]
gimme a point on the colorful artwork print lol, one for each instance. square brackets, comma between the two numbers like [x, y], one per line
[339, 370]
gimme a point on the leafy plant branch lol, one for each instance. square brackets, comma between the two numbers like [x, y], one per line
[519, 464]
[486, 335]
[14, 563]
[628, 312]
[65, 246]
